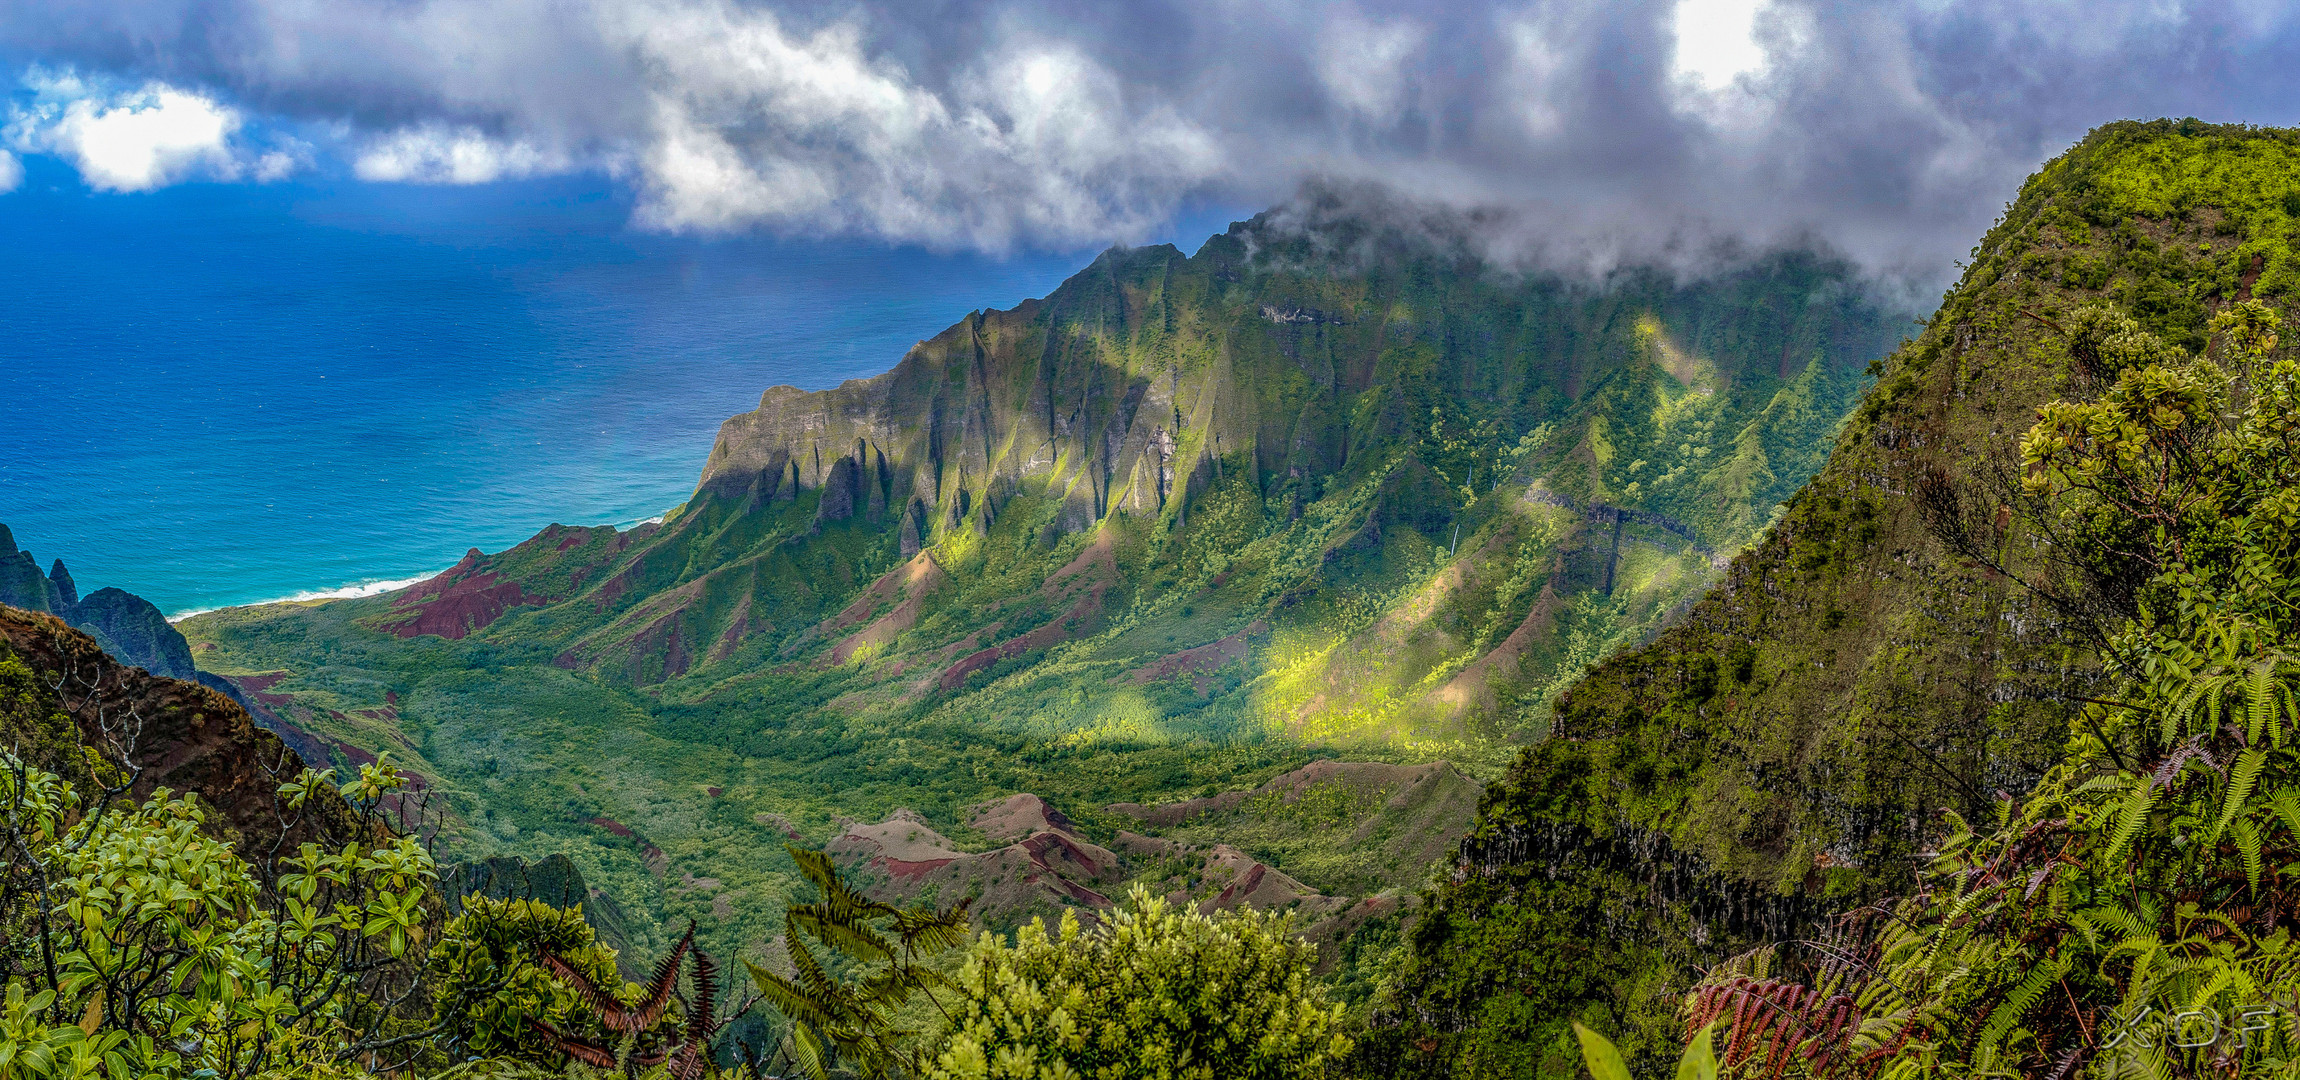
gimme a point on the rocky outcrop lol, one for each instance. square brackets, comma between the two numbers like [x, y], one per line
[22, 584]
[133, 630]
[60, 580]
[123, 624]
[180, 735]
[1047, 867]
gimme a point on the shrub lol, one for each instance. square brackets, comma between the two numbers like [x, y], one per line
[1157, 993]
[140, 941]
[490, 985]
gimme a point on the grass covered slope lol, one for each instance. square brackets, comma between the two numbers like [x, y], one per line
[1184, 526]
[1898, 643]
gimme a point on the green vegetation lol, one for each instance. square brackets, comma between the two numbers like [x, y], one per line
[1981, 762]
[1155, 993]
[492, 988]
[1214, 518]
[2147, 876]
[855, 1021]
[2074, 639]
[146, 948]
[141, 946]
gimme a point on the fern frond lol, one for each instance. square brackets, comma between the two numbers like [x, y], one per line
[2286, 803]
[2260, 701]
[2240, 782]
[589, 1053]
[2018, 1003]
[2248, 847]
[706, 1005]
[843, 934]
[2131, 818]
[790, 999]
[808, 1050]
[650, 1008]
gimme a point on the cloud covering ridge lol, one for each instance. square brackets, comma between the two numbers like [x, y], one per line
[1603, 131]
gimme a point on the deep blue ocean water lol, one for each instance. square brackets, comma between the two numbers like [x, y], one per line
[224, 394]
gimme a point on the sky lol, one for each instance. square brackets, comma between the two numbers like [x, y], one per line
[1595, 132]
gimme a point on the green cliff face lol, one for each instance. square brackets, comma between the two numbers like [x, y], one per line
[1183, 526]
[1890, 648]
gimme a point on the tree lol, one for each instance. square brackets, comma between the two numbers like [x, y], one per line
[1156, 992]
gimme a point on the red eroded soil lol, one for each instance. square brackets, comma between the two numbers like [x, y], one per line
[907, 871]
[255, 685]
[614, 826]
[1212, 656]
[461, 600]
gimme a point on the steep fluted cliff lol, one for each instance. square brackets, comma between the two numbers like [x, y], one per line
[1405, 390]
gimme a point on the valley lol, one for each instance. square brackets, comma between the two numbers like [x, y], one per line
[1311, 527]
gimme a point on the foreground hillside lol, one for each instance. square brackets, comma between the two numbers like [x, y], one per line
[1181, 530]
[1913, 635]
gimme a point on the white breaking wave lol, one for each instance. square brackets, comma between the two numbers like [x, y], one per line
[342, 592]
[368, 588]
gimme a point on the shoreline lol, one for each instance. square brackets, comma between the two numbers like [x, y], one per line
[370, 586]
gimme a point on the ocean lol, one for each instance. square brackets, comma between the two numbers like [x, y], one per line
[219, 394]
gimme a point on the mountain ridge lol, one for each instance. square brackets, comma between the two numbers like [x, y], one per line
[1779, 754]
[1183, 526]
[122, 623]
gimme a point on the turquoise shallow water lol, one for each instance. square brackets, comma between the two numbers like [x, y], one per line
[216, 394]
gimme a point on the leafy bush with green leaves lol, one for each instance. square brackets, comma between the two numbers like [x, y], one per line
[1156, 993]
[490, 985]
[151, 947]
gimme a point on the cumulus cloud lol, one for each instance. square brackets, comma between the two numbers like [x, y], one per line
[134, 141]
[11, 172]
[1607, 130]
[138, 139]
[752, 121]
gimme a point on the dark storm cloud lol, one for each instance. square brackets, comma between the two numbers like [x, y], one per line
[1587, 132]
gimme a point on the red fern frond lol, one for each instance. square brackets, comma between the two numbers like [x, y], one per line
[660, 988]
[701, 1019]
[606, 1004]
[587, 1052]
